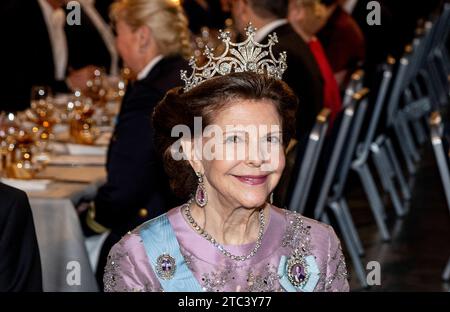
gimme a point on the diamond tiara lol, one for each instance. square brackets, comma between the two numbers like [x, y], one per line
[247, 56]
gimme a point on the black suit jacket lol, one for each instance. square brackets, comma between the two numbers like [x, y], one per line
[213, 17]
[302, 75]
[20, 264]
[28, 56]
[136, 178]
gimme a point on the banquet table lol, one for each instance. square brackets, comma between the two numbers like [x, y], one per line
[64, 257]
[72, 172]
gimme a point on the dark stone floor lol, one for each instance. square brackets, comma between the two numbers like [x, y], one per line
[415, 258]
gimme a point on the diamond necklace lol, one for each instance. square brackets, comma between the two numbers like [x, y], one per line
[209, 238]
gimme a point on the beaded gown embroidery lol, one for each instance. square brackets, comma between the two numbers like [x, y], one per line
[129, 269]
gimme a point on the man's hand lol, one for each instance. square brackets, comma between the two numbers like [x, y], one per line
[77, 79]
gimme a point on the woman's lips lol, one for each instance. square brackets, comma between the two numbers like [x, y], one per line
[252, 179]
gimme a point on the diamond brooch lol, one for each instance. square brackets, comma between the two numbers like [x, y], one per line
[297, 270]
[165, 266]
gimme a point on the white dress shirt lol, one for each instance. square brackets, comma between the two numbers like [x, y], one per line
[55, 21]
[267, 29]
[147, 69]
[349, 6]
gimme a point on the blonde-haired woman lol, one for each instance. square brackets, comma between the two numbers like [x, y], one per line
[148, 28]
[152, 38]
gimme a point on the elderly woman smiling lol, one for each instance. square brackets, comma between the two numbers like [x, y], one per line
[228, 236]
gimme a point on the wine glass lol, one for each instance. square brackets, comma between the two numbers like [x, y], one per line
[39, 95]
[97, 87]
[44, 116]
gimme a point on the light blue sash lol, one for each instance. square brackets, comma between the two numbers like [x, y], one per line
[159, 238]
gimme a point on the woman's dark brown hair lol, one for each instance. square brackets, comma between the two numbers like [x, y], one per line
[206, 101]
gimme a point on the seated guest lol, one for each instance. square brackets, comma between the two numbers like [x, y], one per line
[303, 74]
[307, 17]
[20, 263]
[343, 42]
[152, 38]
[50, 50]
[228, 237]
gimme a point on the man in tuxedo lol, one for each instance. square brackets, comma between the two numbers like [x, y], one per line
[20, 264]
[303, 74]
[41, 48]
[202, 13]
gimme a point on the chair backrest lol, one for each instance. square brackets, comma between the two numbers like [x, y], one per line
[442, 25]
[336, 152]
[415, 50]
[436, 31]
[396, 91]
[415, 57]
[428, 30]
[428, 36]
[309, 162]
[355, 84]
[436, 130]
[363, 149]
[350, 143]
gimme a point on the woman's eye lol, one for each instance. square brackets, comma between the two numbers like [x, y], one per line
[233, 139]
[273, 139]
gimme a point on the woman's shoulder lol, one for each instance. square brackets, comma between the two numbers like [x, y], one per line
[314, 238]
[293, 217]
[165, 75]
[130, 244]
[134, 239]
[128, 267]
[128, 260]
[304, 228]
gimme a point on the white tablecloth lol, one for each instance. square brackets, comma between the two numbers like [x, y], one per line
[64, 257]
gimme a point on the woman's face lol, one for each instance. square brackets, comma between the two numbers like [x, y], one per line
[253, 155]
[127, 42]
